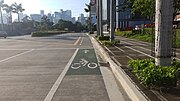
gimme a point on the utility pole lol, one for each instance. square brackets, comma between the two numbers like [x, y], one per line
[100, 18]
[97, 14]
[163, 32]
[112, 18]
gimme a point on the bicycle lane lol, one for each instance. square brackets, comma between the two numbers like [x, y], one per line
[83, 80]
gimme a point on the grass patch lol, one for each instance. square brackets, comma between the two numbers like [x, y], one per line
[147, 36]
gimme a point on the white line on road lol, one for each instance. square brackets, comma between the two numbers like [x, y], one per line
[82, 39]
[16, 55]
[77, 41]
[60, 78]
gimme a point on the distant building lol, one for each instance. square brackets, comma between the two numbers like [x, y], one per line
[50, 17]
[36, 17]
[5, 17]
[82, 19]
[64, 15]
[42, 12]
[73, 20]
[123, 19]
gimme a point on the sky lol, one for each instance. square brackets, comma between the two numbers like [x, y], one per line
[49, 6]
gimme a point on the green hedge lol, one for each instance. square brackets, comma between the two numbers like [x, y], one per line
[113, 43]
[103, 38]
[46, 33]
[155, 76]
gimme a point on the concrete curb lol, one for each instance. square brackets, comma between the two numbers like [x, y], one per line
[130, 88]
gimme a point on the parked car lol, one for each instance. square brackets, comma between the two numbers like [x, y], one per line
[3, 34]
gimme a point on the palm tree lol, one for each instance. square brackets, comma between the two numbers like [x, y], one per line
[163, 31]
[17, 8]
[1, 5]
[8, 10]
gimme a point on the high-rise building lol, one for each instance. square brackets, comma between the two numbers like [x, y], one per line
[36, 17]
[50, 17]
[73, 20]
[64, 15]
[82, 19]
[42, 12]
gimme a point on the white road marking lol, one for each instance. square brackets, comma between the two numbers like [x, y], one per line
[120, 49]
[60, 78]
[77, 41]
[16, 55]
[86, 51]
[82, 39]
[139, 52]
[109, 51]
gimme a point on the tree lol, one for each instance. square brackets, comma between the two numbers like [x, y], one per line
[8, 10]
[1, 5]
[17, 8]
[163, 32]
[88, 10]
[145, 8]
[45, 23]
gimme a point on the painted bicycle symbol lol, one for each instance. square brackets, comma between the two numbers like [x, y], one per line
[83, 63]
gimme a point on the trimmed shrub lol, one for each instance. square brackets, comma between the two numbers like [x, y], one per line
[155, 76]
[113, 43]
[103, 38]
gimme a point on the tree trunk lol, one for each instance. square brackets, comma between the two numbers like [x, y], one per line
[112, 18]
[18, 17]
[163, 32]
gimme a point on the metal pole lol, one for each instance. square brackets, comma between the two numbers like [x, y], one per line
[100, 18]
[97, 12]
[112, 19]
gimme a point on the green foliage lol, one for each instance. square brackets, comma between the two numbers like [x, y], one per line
[113, 43]
[143, 36]
[145, 8]
[46, 33]
[124, 33]
[45, 23]
[155, 76]
[103, 38]
[62, 24]
[178, 38]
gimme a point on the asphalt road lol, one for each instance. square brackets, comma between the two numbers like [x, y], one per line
[57, 68]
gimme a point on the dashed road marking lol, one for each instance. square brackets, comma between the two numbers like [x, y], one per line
[77, 41]
[16, 55]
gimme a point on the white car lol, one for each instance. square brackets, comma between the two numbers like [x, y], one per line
[3, 34]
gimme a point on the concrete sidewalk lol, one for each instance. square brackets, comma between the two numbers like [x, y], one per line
[129, 86]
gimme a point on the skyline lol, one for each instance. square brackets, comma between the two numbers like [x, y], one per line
[50, 6]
